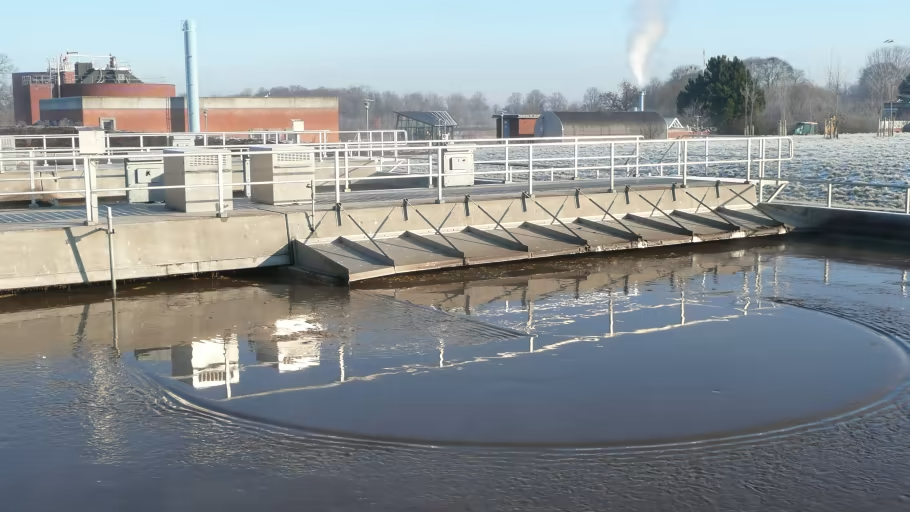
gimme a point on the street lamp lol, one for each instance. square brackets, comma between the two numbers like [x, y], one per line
[366, 108]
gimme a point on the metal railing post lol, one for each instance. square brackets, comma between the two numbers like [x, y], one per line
[337, 179]
[73, 145]
[685, 166]
[749, 159]
[679, 158]
[110, 249]
[313, 200]
[576, 159]
[347, 170]
[31, 178]
[395, 141]
[220, 209]
[247, 173]
[508, 178]
[439, 166]
[612, 166]
[530, 170]
[90, 217]
[43, 148]
[706, 157]
[637, 157]
[907, 201]
[780, 161]
[830, 193]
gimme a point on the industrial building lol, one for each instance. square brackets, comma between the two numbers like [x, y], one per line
[515, 126]
[79, 90]
[649, 125]
[436, 125]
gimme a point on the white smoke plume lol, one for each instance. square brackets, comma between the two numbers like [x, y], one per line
[651, 25]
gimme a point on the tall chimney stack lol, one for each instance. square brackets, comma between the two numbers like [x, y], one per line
[192, 74]
[642, 109]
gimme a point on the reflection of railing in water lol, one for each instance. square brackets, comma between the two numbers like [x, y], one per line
[749, 295]
[763, 275]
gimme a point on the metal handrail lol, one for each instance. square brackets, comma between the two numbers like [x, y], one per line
[341, 175]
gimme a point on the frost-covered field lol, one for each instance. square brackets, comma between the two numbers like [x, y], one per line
[855, 158]
[863, 158]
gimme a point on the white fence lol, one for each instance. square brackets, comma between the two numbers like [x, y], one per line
[527, 163]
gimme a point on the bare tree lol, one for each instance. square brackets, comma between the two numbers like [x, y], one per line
[776, 77]
[885, 68]
[695, 115]
[629, 95]
[557, 102]
[750, 93]
[591, 100]
[535, 102]
[769, 71]
[652, 130]
[6, 90]
[625, 98]
[835, 81]
[515, 103]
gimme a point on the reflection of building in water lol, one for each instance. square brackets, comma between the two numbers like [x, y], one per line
[292, 345]
[290, 355]
[207, 363]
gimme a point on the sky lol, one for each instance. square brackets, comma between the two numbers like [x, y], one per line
[494, 46]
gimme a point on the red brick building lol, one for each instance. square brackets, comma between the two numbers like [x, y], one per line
[168, 114]
[28, 90]
[113, 98]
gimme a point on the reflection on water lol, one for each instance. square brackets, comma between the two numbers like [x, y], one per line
[653, 348]
[592, 351]
[201, 364]
[288, 356]
[294, 346]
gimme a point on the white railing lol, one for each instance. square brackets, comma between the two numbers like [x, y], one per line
[531, 162]
[894, 197]
[146, 139]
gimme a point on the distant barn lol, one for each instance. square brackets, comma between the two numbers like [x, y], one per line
[649, 125]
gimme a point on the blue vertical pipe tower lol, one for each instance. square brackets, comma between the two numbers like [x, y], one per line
[192, 74]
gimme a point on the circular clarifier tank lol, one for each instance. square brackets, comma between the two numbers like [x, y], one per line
[716, 379]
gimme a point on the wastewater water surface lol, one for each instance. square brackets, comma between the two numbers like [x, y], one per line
[754, 375]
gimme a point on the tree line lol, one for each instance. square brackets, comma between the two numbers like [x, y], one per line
[728, 94]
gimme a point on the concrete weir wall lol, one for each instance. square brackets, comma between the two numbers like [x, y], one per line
[163, 245]
[61, 256]
[878, 224]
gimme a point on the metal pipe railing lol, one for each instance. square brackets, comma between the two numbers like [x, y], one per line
[574, 165]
